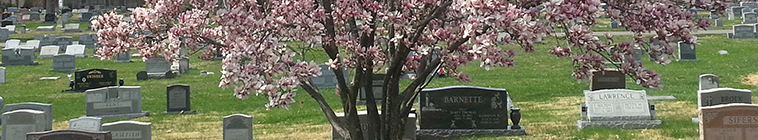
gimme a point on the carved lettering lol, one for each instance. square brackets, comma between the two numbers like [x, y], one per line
[463, 99]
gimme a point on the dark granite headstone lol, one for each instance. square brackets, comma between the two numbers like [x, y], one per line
[94, 78]
[69, 134]
[123, 58]
[687, 52]
[608, 79]
[64, 63]
[377, 81]
[50, 18]
[142, 75]
[178, 99]
[719, 96]
[463, 107]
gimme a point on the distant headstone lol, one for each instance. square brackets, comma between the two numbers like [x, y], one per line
[94, 78]
[328, 79]
[608, 79]
[45, 28]
[377, 81]
[69, 134]
[157, 68]
[88, 40]
[636, 57]
[184, 65]
[736, 12]
[4, 34]
[129, 130]
[48, 51]
[76, 50]
[64, 63]
[123, 57]
[18, 56]
[728, 122]
[47, 109]
[13, 43]
[708, 81]
[13, 9]
[614, 24]
[718, 96]
[687, 52]
[718, 22]
[19, 122]
[33, 43]
[64, 41]
[238, 127]
[178, 99]
[34, 16]
[65, 17]
[410, 126]
[2, 81]
[749, 18]
[462, 111]
[85, 16]
[71, 27]
[714, 16]
[617, 108]
[86, 123]
[142, 75]
[115, 102]
[743, 31]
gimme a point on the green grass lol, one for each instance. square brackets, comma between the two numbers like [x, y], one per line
[540, 84]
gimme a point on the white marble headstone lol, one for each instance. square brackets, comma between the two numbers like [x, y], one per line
[13, 43]
[48, 51]
[709, 81]
[77, 50]
[32, 43]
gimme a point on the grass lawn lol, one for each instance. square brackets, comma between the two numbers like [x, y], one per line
[540, 84]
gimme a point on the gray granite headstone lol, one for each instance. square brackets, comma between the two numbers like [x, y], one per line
[76, 50]
[184, 65]
[636, 57]
[86, 16]
[45, 108]
[749, 4]
[178, 99]
[115, 102]
[158, 67]
[2, 81]
[327, 79]
[608, 79]
[64, 63]
[687, 52]
[238, 127]
[63, 42]
[88, 40]
[614, 24]
[18, 56]
[129, 130]
[749, 18]
[123, 57]
[4, 34]
[19, 122]
[410, 126]
[48, 51]
[34, 16]
[709, 81]
[718, 96]
[736, 12]
[718, 22]
[714, 16]
[86, 123]
[743, 31]
[377, 81]
[65, 17]
[69, 134]
[617, 108]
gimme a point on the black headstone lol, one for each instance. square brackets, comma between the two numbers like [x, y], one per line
[463, 107]
[377, 81]
[94, 78]
[178, 99]
[69, 134]
[6, 23]
[142, 75]
[50, 18]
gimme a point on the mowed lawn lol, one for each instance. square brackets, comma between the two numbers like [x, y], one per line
[540, 84]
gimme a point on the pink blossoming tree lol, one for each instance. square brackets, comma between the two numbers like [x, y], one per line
[364, 35]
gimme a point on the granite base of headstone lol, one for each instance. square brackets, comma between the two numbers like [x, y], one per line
[178, 99]
[115, 102]
[446, 113]
[617, 108]
[69, 134]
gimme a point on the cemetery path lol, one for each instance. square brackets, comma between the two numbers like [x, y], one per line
[630, 33]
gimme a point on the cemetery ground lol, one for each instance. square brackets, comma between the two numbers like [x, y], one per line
[540, 84]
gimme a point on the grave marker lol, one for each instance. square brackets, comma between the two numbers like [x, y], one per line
[687, 52]
[327, 79]
[123, 57]
[33, 44]
[64, 63]
[47, 109]
[69, 134]
[63, 42]
[410, 125]
[129, 130]
[4, 34]
[178, 99]
[377, 81]
[76, 50]
[45, 28]
[19, 122]
[617, 108]
[18, 56]
[184, 65]
[86, 123]
[718, 96]
[94, 78]
[238, 127]
[728, 122]
[608, 79]
[13, 43]
[48, 51]
[71, 27]
[709, 81]
[2, 81]
[115, 102]
[157, 68]
[749, 18]
[743, 31]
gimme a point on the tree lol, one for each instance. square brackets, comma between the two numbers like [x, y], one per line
[364, 35]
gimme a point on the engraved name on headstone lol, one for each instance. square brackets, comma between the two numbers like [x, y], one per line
[129, 130]
[717, 96]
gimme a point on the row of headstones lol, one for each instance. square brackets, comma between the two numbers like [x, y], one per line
[724, 112]
[736, 10]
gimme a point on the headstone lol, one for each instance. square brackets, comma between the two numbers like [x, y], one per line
[743, 31]
[64, 63]
[614, 24]
[617, 108]
[69, 134]
[86, 123]
[47, 109]
[32, 43]
[728, 122]
[377, 81]
[11, 29]
[714, 15]
[85, 16]
[129, 130]
[64, 41]
[123, 57]
[718, 22]
[88, 40]
[4, 34]
[708, 81]
[459, 111]
[19, 122]
[2, 81]
[18, 56]
[94, 78]
[328, 79]
[34, 16]
[178, 99]
[749, 18]
[13, 43]
[13, 9]
[608, 79]
[410, 126]
[736, 12]
[157, 67]
[238, 127]
[718, 96]
[749, 4]
[13, 19]
[636, 57]
[65, 17]
[115, 102]
[76, 50]
[5, 23]
[48, 51]
[184, 65]
[71, 27]
[687, 52]
[45, 28]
